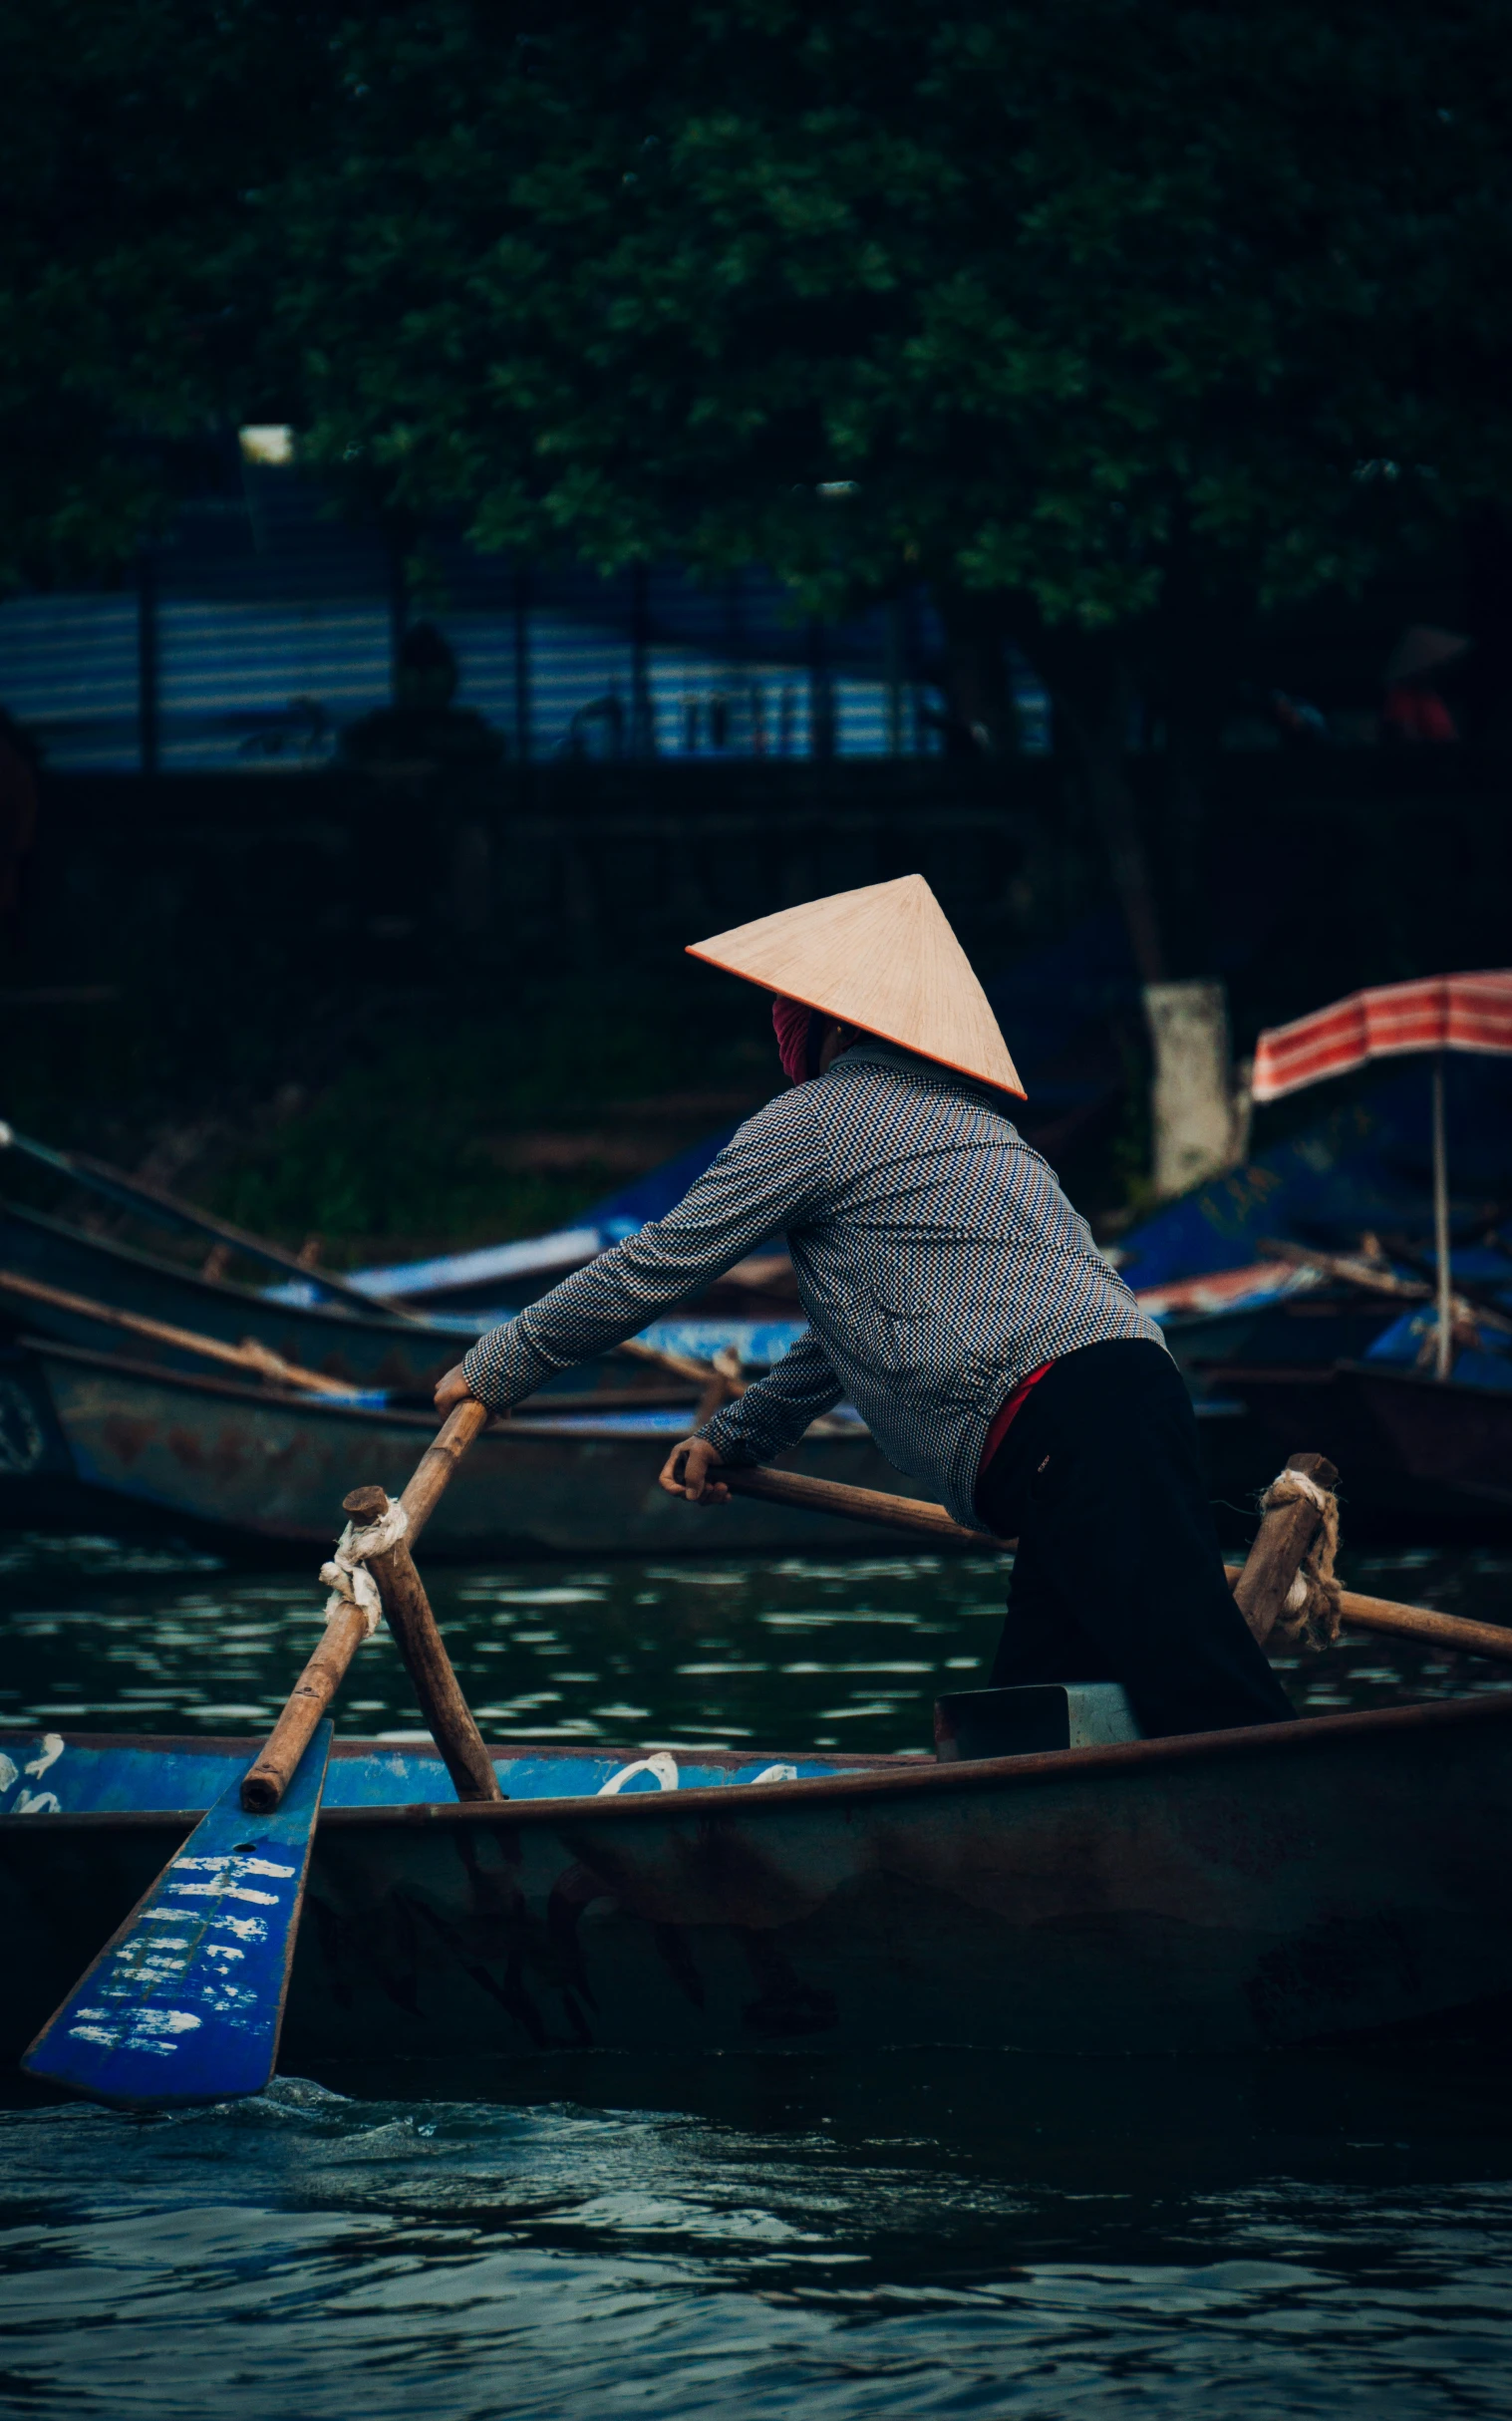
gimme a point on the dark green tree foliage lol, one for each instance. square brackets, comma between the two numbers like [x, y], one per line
[1116, 323]
[1066, 291]
[137, 277]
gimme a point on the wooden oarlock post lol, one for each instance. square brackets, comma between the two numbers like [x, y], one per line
[1280, 1548]
[406, 1610]
[414, 1626]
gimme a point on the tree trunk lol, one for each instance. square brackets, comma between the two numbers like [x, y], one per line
[1093, 694]
[1195, 1119]
[1195, 1128]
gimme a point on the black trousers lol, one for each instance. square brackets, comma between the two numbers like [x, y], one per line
[1118, 1575]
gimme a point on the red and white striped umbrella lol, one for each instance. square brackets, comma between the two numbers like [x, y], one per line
[1432, 1012]
[1436, 1012]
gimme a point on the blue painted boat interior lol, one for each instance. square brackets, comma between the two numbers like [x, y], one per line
[43, 1774]
[1408, 1345]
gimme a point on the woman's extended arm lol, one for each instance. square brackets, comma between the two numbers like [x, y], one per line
[763, 1180]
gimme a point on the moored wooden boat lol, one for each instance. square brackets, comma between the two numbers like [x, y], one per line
[1410, 1442]
[368, 1348]
[1215, 1893]
[263, 1460]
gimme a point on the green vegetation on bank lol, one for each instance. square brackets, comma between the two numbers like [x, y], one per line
[433, 1126]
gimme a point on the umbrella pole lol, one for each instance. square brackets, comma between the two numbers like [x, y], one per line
[1443, 1341]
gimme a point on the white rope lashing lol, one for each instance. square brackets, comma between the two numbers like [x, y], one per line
[347, 1576]
[1310, 1613]
[661, 1767]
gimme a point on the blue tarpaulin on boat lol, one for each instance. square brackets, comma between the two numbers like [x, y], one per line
[1409, 1345]
[1365, 1165]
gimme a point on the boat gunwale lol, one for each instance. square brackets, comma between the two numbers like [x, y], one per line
[906, 1776]
[1396, 1374]
[534, 1427]
[1328, 1373]
[269, 1397]
[251, 1298]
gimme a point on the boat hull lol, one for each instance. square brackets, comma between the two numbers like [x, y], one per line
[1218, 1894]
[257, 1461]
[1407, 1442]
[375, 1351]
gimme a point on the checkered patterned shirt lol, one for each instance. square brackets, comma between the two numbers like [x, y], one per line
[937, 1260]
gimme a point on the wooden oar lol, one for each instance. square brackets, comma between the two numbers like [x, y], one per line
[184, 2003]
[248, 1356]
[1449, 1630]
[169, 1210]
[853, 1505]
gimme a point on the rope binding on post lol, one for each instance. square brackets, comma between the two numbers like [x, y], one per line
[1310, 1612]
[347, 1576]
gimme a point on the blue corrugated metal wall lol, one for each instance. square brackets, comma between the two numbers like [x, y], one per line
[270, 625]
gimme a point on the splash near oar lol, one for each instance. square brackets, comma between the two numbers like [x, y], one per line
[184, 2003]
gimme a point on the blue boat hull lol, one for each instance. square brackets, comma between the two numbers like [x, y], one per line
[1212, 1893]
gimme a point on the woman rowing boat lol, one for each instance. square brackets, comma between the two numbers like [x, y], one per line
[952, 1294]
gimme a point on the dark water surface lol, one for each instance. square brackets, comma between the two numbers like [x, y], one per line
[790, 1652]
[1322, 2233]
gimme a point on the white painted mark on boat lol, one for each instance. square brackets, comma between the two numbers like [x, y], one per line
[661, 1767]
[8, 1771]
[35, 1802]
[218, 1866]
[155, 2030]
[51, 1750]
[222, 1889]
[774, 1773]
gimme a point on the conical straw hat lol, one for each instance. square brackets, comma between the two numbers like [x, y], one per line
[884, 959]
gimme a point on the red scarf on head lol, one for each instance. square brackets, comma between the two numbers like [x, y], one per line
[790, 1022]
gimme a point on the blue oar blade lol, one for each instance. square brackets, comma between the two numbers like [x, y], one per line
[185, 2002]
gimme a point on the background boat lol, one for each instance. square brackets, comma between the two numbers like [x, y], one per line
[272, 1464]
[365, 1350]
[1411, 1444]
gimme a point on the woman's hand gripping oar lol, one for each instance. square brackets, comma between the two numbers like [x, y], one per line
[185, 2002]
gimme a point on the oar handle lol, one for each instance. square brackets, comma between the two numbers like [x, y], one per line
[268, 1779]
[1447, 1631]
[852, 1504]
[440, 1460]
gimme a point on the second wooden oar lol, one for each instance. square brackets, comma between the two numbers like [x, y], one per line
[1446, 1631]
